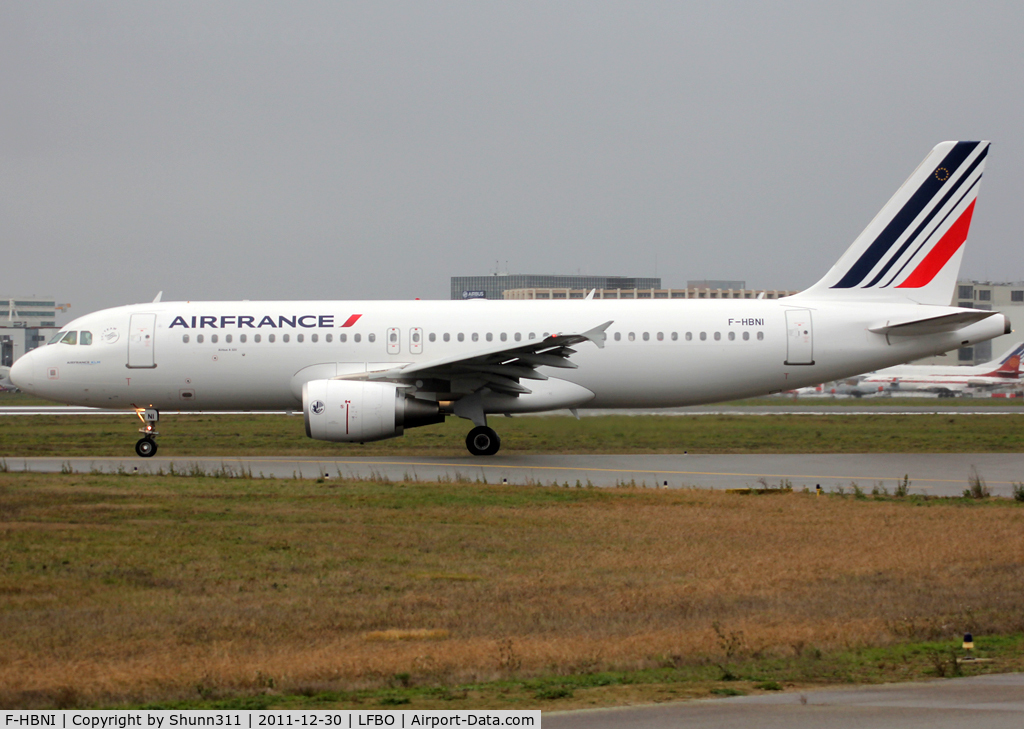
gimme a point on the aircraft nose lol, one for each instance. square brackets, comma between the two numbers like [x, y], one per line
[23, 372]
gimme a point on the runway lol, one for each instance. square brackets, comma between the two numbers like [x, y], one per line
[942, 474]
[987, 702]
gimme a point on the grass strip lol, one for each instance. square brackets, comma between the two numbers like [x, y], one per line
[182, 436]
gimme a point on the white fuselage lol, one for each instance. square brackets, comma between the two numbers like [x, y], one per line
[657, 353]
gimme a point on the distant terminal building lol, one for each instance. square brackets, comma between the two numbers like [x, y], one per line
[1007, 297]
[495, 285]
[694, 290]
[25, 323]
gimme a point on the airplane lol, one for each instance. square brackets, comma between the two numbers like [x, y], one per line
[368, 370]
[947, 381]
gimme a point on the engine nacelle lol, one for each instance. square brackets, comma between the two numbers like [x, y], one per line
[354, 411]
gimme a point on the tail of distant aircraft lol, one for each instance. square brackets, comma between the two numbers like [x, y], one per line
[911, 251]
[1009, 365]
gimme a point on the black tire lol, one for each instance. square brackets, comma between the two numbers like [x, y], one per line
[145, 448]
[483, 441]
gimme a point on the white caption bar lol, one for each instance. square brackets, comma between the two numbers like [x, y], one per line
[342, 719]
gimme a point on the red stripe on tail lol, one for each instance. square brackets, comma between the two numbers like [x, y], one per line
[939, 255]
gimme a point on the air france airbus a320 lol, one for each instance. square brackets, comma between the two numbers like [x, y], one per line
[367, 370]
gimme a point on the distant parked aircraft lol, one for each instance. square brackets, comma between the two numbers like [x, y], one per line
[947, 381]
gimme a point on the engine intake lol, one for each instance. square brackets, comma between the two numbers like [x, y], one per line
[353, 411]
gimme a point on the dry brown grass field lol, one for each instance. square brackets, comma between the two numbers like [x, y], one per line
[154, 589]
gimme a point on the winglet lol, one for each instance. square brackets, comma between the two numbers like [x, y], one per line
[590, 296]
[596, 335]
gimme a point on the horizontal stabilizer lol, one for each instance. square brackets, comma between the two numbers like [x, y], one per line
[933, 324]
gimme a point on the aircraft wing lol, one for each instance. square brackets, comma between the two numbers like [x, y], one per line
[500, 367]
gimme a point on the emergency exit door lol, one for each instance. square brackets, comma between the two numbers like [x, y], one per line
[394, 340]
[799, 337]
[141, 331]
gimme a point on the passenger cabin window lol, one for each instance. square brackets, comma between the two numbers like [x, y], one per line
[732, 336]
[703, 336]
[689, 336]
[184, 338]
[760, 336]
[299, 337]
[256, 338]
[476, 337]
[330, 337]
[314, 338]
[199, 339]
[447, 337]
[70, 338]
[213, 338]
[618, 336]
[647, 336]
[518, 337]
[241, 338]
[489, 337]
[227, 338]
[432, 337]
[675, 336]
[746, 336]
[271, 338]
[461, 337]
[342, 337]
[370, 337]
[632, 336]
[357, 337]
[718, 335]
[286, 338]
[504, 337]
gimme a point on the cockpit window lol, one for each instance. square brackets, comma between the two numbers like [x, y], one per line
[56, 337]
[70, 338]
[85, 338]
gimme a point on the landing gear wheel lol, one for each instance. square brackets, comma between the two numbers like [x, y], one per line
[483, 441]
[145, 447]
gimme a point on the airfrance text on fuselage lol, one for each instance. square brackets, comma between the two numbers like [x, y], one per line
[308, 321]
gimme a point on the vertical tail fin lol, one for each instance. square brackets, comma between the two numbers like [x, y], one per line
[1009, 363]
[911, 251]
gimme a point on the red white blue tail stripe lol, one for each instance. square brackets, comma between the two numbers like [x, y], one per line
[920, 231]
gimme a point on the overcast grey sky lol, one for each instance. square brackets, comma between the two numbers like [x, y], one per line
[373, 149]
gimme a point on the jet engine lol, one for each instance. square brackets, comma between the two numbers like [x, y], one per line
[353, 411]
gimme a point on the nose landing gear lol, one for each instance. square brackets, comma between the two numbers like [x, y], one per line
[145, 447]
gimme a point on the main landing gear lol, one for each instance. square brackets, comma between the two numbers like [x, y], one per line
[145, 447]
[483, 441]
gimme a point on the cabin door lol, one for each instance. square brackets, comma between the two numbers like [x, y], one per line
[799, 337]
[141, 332]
